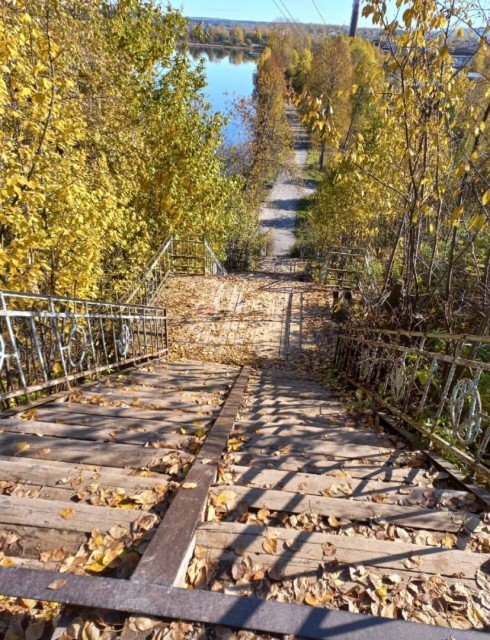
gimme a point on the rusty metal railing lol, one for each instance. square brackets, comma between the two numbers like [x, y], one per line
[344, 268]
[48, 342]
[177, 256]
[437, 383]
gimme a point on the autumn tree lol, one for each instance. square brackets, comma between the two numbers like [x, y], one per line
[107, 145]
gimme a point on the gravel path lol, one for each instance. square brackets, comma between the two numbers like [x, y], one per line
[278, 213]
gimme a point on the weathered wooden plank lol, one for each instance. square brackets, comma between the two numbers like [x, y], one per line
[164, 561]
[68, 413]
[189, 381]
[136, 399]
[301, 545]
[287, 568]
[29, 541]
[283, 435]
[293, 445]
[81, 451]
[365, 468]
[341, 486]
[68, 475]
[133, 412]
[217, 608]
[88, 432]
[413, 517]
[48, 513]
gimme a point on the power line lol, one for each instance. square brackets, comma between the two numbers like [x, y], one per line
[288, 12]
[319, 12]
[291, 21]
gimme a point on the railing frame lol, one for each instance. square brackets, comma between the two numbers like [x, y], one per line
[348, 276]
[176, 256]
[49, 342]
[435, 392]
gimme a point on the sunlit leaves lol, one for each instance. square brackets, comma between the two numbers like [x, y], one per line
[103, 154]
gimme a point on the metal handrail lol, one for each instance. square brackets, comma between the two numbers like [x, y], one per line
[177, 255]
[437, 383]
[48, 341]
[348, 274]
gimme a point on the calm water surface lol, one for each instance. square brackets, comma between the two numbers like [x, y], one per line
[230, 77]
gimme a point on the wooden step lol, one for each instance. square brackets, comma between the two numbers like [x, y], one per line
[80, 451]
[60, 474]
[346, 486]
[70, 516]
[88, 432]
[301, 545]
[352, 510]
[117, 413]
[363, 468]
[64, 415]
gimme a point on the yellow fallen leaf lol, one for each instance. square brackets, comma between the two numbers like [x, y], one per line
[95, 567]
[263, 513]
[182, 431]
[449, 540]
[67, 513]
[22, 446]
[311, 600]
[189, 485]
[270, 545]
[333, 522]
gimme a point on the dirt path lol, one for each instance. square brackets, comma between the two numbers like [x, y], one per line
[279, 212]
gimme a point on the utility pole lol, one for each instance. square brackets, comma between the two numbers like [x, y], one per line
[354, 19]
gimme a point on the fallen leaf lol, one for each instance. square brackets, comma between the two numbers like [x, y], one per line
[270, 545]
[333, 522]
[329, 549]
[189, 485]
[311, 600]
[67, 514]
[56, 584]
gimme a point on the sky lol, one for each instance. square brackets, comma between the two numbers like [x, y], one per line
[332, 11]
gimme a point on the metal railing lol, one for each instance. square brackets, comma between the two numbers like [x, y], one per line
[46, 342]
[437, 383]
[344, 268]
[177, 256]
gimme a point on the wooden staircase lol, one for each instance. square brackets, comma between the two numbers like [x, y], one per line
[229, 486]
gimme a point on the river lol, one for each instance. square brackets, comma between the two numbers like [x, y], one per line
[229, 75]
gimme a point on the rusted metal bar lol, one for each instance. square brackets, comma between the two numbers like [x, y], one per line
[165, 560]
[215, 608]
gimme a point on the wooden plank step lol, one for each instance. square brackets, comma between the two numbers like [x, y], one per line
[80, 451]
[342, 435]
[64, 415]
[315, 411]
[189, 383]
[287, 568]
[29, 541]
[364, 468]
[341, 487]
[341, 449]
[135, 399]
[78, 476]
[133, 413]
[303, 545]
[171, 396]
[413, 517]
[48, 513]
[97, 434]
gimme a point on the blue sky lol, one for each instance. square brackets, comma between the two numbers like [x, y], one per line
[333, 11]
